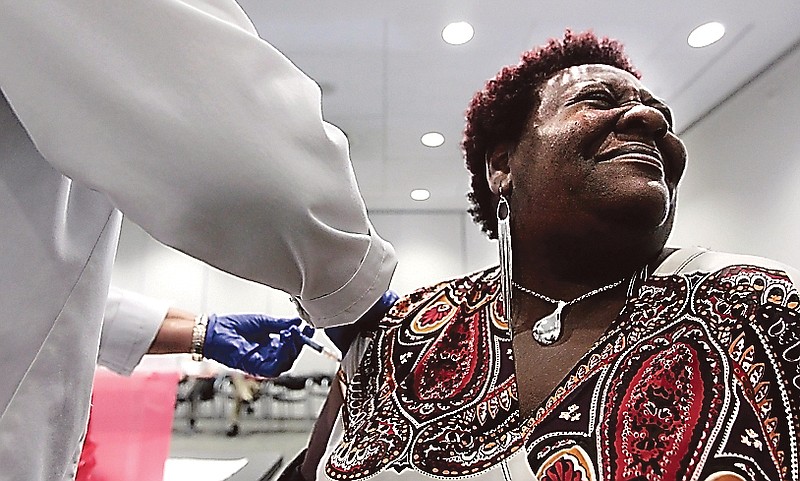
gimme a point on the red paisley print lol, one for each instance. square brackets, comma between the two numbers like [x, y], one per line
[660, 410]
[449, 365]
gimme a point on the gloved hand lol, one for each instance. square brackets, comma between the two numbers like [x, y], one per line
[255, 343]
[343, 336]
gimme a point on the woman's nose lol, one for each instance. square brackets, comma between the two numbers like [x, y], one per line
[643, 119]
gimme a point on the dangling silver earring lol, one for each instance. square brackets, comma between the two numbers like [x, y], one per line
[504, 245]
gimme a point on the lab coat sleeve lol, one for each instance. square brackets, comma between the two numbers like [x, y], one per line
[204, 135]
[130, 324]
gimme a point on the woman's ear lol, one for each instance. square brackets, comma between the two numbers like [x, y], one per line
[498, 171]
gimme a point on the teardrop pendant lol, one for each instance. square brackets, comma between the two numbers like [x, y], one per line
[547, 330]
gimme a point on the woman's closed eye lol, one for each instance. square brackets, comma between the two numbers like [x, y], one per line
[596, 97]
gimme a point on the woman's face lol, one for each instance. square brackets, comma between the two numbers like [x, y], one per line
[598, 148]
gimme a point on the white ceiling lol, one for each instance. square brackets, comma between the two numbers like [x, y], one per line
[388, 77]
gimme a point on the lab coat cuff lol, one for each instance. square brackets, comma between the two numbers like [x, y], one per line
[362, 291]
[130, 324]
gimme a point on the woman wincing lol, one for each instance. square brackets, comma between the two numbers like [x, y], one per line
[594, 351]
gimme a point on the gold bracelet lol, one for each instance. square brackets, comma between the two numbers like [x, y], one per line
[199, 337]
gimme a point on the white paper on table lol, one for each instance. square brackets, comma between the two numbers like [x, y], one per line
[191, 469]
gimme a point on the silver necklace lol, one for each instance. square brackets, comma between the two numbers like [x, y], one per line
[547, 330]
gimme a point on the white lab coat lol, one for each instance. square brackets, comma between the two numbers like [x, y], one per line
[177, 114]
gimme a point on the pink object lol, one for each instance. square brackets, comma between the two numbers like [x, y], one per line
[129, 427]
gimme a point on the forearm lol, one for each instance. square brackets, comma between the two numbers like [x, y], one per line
[175, 334]
[135, 325]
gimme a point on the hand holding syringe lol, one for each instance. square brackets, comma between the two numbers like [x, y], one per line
[258, 344]
[267, 346]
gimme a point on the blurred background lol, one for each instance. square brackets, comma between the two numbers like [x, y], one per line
[388, 78]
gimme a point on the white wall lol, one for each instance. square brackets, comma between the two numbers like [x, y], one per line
[740, 191]
[433, 246]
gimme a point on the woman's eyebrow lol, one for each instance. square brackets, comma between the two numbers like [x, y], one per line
[592, 83]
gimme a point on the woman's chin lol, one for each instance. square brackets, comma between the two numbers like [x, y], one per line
[639, 213]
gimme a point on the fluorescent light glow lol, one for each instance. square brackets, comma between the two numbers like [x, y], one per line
[420, 194]
[432, 139]
[458, 33]
[706, 34]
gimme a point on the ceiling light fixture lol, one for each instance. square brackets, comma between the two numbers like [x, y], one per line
[458, 33]
[420, 194]
[432, 139]
[706, 34]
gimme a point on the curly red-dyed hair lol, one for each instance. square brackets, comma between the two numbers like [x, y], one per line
[498, 113]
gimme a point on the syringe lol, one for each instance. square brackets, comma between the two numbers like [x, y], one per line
[321, 349]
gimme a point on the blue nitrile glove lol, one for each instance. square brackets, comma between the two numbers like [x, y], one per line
[343, 336]
[255, 343]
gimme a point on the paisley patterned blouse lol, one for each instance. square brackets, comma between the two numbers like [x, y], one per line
[697, 379]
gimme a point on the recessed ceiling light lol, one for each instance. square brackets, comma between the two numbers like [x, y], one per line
[706, 34]
[420, 194]
[432, 139]
[458, 33]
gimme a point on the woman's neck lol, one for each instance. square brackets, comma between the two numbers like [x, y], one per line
[565, 273]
